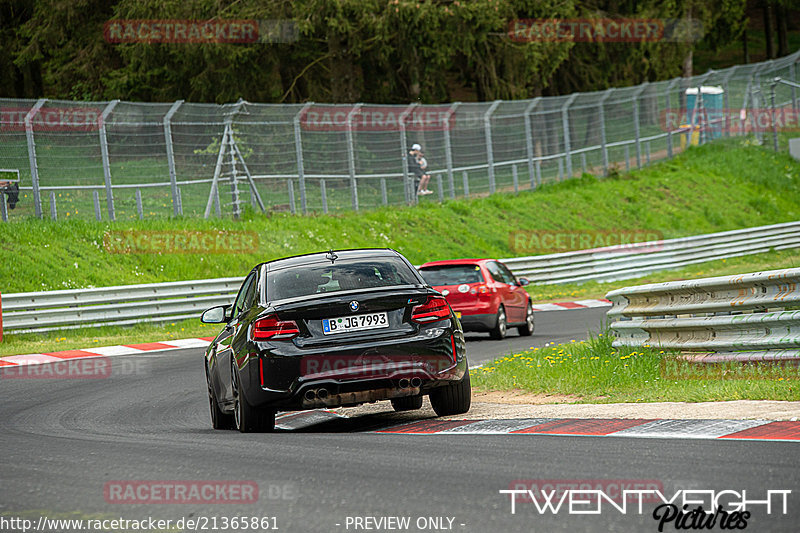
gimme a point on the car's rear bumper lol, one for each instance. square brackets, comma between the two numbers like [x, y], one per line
[479, 322]
[381, 371]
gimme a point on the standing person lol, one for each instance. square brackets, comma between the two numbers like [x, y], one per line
[423, 164]
[414, 166]
[10, 189]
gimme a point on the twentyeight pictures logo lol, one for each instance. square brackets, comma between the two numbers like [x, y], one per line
[680, 510]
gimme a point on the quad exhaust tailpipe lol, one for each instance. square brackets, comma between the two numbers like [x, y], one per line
[316, 394]
[403, 383]
[415, 382]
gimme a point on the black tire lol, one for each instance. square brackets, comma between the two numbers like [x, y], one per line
[219, 419]
[249, 419]
[501, 326]
[453, 399]
[526, 330]
[407, 403]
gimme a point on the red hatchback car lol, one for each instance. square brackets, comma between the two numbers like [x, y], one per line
[484, 293]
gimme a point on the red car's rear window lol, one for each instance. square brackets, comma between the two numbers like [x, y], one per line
[451, 274]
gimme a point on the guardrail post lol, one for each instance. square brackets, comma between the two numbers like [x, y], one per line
[139, 209]
[465, 177]
[448, 148]
[3, 207]
[104, 155]
[567, 137]
[487, 125]
[53, 211]
[351, 156]
[298, 148]
[529, 140]
[177, 208]
[324, 193]
[98, 213]
[636, 125]
[408, 181]
[37, 198]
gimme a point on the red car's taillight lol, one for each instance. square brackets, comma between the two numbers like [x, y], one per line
[434, 309]
[272, 328]
[480, 289]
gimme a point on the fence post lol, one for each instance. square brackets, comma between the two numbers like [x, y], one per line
[515, 178]
[292, 207]
[3, 207]
[351, 156]
[667, 107]
[793, 74]
[448, 148]
[567, 140]
[384, 195]
[139, 209]
[98, 214]
[440, 187]
[529, 140]
[298, 148]
[465, 177]
[104, 155]
[636, 126]
[411, 196]
[53, 211]
[324, 193]
[726, 123]
[177, 208]
[603, 141]
[487, 125]
[37, 199]
[774, 122]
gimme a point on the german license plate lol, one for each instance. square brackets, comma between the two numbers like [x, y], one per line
[344, 324]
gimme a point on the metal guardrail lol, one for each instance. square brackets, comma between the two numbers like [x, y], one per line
[631, 261]
[744, 317]
[120, 305]
[162, 302]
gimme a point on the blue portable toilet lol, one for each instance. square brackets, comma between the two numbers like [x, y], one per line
[712, 110]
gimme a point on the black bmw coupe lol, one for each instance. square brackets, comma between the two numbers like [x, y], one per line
[332, 329]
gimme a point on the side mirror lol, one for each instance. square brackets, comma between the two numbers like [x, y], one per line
[215, 315]
[523, 281]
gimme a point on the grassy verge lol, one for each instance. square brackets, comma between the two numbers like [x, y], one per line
[721, 267]
[716, 187]
[594, 372]
[73, 339]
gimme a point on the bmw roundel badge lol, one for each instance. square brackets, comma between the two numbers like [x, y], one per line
[354, 305]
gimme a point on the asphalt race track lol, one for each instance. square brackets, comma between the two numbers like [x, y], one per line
[64, 443]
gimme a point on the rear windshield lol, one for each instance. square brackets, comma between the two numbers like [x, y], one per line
[451, 274]
[344, 275]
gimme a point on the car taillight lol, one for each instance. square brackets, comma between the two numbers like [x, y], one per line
[434, 309]
[272, 328]
[481, 289]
